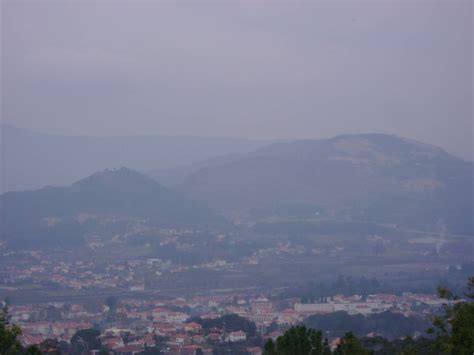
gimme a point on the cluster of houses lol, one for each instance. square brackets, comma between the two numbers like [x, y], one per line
[132, 325]
[372, 304]
[186, 338]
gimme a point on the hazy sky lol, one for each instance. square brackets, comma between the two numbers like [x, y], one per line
[241, 69]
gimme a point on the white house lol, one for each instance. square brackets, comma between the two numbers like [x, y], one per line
[236, 336]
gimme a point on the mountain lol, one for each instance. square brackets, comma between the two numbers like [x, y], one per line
[176, 176]
[117, 196]
[367, 177]
[31, 160]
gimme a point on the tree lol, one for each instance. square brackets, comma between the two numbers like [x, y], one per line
[454, 329]
[33, 350]
[350, 345]
[86, 340]
[9, 334]
[151, 351]
[50, 346]
[298, 340]
[160, 345]
[269, 348]
[111, 302]
[231, 323]
[272, 327]
[53, 313]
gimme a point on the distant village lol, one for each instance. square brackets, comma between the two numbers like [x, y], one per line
[138, 324]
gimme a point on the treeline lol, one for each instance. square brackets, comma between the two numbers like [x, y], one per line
[311, 292]
[345, 285]
[306, 341]
[318, 228]
[229, 323]
[391, 325]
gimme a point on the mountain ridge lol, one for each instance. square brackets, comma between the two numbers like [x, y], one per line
[363, 175]
[123, 194]
[31, 160]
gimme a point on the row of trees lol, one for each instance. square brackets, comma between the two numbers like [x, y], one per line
[347, 285]
[391, 325]
[230, 323]
[452, 332]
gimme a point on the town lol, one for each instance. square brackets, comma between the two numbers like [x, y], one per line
[181, 325]
[166, 289]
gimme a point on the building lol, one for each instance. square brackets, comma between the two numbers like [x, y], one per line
[254, 351]
[192, 327]
[314, 307]
[234, 337]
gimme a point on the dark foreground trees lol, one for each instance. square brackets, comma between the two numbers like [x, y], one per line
[9, 333]
[298, 341]
[454, 329]
[85, 340]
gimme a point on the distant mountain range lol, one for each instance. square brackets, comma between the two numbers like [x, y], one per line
[66, 214]
[367, 177]
[31, 160]
[373, 178]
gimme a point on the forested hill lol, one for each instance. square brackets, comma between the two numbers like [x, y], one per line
[367, 177]
[66, 213]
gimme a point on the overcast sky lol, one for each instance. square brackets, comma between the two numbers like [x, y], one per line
[241, 69]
